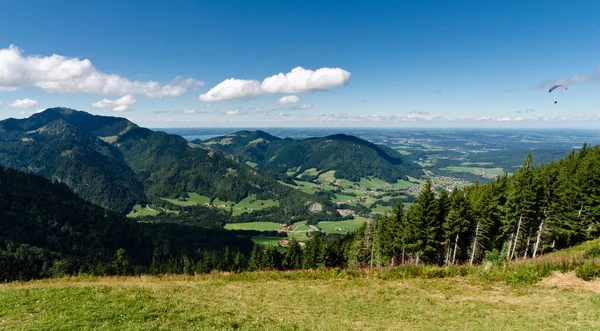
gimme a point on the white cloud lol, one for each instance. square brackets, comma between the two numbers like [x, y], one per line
[60, 74]
[24, 103]
[121, 104]
[288, 99]
[8, 88]
[233, 112]
[299, 80]
[189, 111]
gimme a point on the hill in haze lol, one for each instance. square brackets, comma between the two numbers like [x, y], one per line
[112, 162]
[352, 158]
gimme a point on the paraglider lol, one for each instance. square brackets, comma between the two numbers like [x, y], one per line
[553, 87]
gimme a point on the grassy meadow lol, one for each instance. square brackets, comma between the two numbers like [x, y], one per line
[299, 300]
[540, 294]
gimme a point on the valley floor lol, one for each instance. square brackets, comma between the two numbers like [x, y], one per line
[297, 301]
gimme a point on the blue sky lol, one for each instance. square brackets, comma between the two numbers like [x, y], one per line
[363, 64]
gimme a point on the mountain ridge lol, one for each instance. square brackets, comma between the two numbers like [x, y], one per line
[161, 164]
[351, 157]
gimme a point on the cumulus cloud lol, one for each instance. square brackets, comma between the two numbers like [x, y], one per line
[420, 112]
[121, 104]
[233, 112]
[288, 99]
[576, 79]
[299, 80]
[61, 74]
[24, 103]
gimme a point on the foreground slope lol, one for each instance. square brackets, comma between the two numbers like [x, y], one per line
[292, 301]
[352, 158]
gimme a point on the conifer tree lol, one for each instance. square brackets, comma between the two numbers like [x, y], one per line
[456, 227]
[256, 258]
[271, 259]
[239, 262]
[293, 256]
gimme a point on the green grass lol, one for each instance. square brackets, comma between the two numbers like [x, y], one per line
[342, 198]
[254, 142]
[351, 225]
[307, 187]
[493, 172]
[139, 211]
[301, 300]
[309, 172]
[266, 240]
[403, 184]
[327, 177]
[250, 204]
[257, 226]
[192, 200]
[379, 209]
[226, 141]
[252, 164]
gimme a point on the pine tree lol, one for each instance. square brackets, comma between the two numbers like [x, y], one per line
[521, 208]
[456, 227]
[424, 222]
[271, 259]
[256, 258]
[239, 262]
[293, 256]
[226, 261]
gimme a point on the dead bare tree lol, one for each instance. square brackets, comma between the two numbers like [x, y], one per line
[512, 255]
[474, 243]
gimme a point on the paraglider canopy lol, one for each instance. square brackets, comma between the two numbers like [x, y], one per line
[553, 87]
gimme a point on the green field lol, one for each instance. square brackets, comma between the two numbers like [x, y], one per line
[139, 211]
[250, 204]
[327, 177]
[492, 172]
[309, 172]
[350, 225]
[192, 200]
[301, 300]
[342, 198]
[257, 226]
[266, 240]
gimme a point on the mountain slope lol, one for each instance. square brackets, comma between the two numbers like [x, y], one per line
[47, 230]
[61, 151]
[115, 163]
[352, 158]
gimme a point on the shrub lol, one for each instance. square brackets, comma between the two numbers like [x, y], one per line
[494, 257]
[592, 252]
[588, 271]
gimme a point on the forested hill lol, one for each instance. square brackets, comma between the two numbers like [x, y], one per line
[352, 158]
[46, 230]
[537, 209]
[115, 163]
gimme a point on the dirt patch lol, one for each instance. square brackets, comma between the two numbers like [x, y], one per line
[571, 282]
